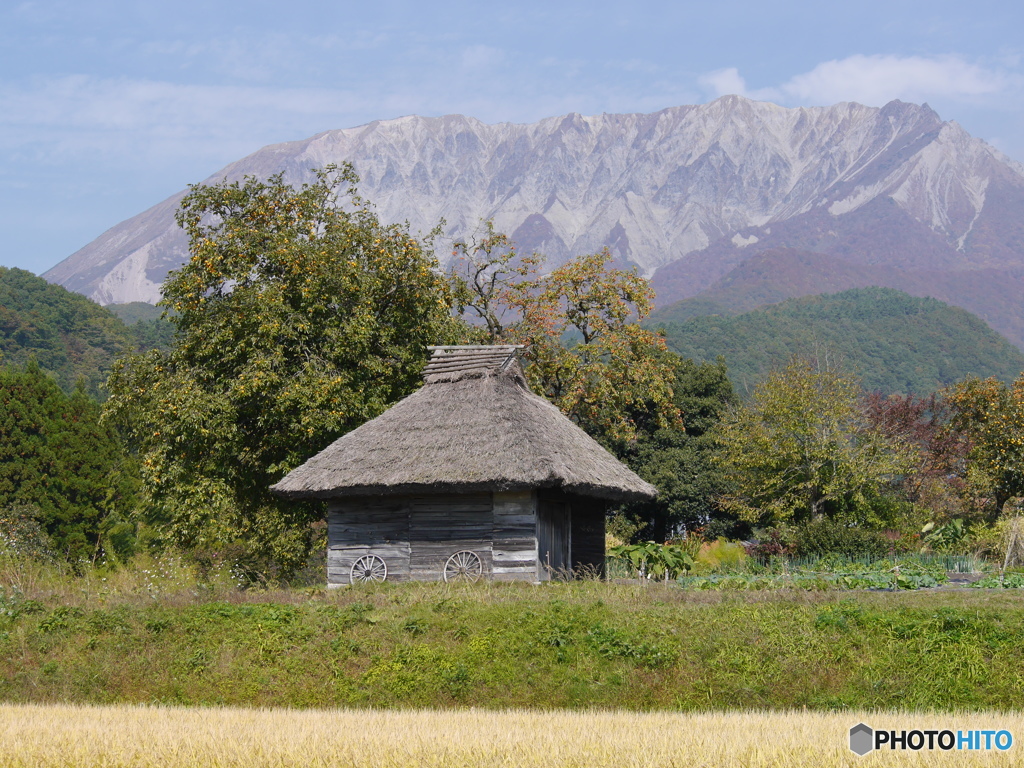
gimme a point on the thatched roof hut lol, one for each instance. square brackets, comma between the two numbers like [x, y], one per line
[473, 429]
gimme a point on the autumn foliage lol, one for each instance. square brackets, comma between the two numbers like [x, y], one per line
[580, 323]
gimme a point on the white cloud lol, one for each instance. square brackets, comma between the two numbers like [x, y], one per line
[724, 82]
[875, 80]
[73, 114]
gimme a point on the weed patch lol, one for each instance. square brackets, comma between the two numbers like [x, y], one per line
[568, 645]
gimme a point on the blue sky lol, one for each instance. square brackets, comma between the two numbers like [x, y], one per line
[107, 108]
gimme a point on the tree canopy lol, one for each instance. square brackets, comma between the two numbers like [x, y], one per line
[586, 351]
[298, 317]
[990, 415]
[57, 459]
[802, 448]
[680, 460]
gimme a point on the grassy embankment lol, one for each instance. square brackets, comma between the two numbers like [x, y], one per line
[151, 636]
[162, 737]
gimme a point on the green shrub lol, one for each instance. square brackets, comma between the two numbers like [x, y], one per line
[21, 535]
[952, 537]
[720, 555]
[826, 536]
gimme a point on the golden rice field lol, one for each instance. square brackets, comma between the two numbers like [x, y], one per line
[38, 736]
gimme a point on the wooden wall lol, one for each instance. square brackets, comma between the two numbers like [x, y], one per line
[415, 535]
[440, 526]
[582, 523]
[364, 526]
[515, 536]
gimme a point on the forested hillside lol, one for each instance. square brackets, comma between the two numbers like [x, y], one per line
[146, 322]
[71, 337]
[895, 342]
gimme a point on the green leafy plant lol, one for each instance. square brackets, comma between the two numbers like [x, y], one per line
[949, 537]
[653, 561]
[1005, 581]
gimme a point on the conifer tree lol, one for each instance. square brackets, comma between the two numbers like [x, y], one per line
[57, 458]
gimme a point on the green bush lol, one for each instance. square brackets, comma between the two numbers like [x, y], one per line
[720, 555]
[653, 560]
[21, 535]
[825, 536]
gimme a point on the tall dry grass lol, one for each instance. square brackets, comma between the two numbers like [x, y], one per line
[144, 737]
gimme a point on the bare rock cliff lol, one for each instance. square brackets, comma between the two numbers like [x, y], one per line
[687, 194]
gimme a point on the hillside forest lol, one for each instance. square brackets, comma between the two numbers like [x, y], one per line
[864, 422]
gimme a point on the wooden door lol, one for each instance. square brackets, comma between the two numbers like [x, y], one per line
[553, 539]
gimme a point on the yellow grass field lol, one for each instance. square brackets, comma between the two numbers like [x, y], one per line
[38, 736]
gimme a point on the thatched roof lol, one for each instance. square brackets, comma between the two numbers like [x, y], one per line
[474, 425]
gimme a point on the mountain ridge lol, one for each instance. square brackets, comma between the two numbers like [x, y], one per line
[687, 194]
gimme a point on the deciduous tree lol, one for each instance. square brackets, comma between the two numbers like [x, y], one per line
[990, 415]
[803, 448]
[586, 350]
[680, 461]
[298, 317]
[488, 277]
[937, 482]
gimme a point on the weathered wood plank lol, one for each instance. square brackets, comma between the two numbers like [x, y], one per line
[415, 535]
[366, 522]
[528, 570]
[525, 553]
[521, 546]
[510, 566]
[342, 558]
[451, 508]
[428, 563]
[588, 528]
[515, 521]
[521, 554]
[503, 499]
[433, 555]
[452, 501]
[514, 531]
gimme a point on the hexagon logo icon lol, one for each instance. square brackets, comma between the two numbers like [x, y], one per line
[861, 739]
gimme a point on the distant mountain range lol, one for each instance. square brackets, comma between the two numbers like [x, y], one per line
[708, 200]
[894, 342]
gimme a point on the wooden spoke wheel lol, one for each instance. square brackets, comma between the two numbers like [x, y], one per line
[463, 566]
[368, 568]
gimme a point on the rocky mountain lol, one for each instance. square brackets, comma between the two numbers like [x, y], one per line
[689, 194]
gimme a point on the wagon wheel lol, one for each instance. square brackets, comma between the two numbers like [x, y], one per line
[368, 568]
[463, 566]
